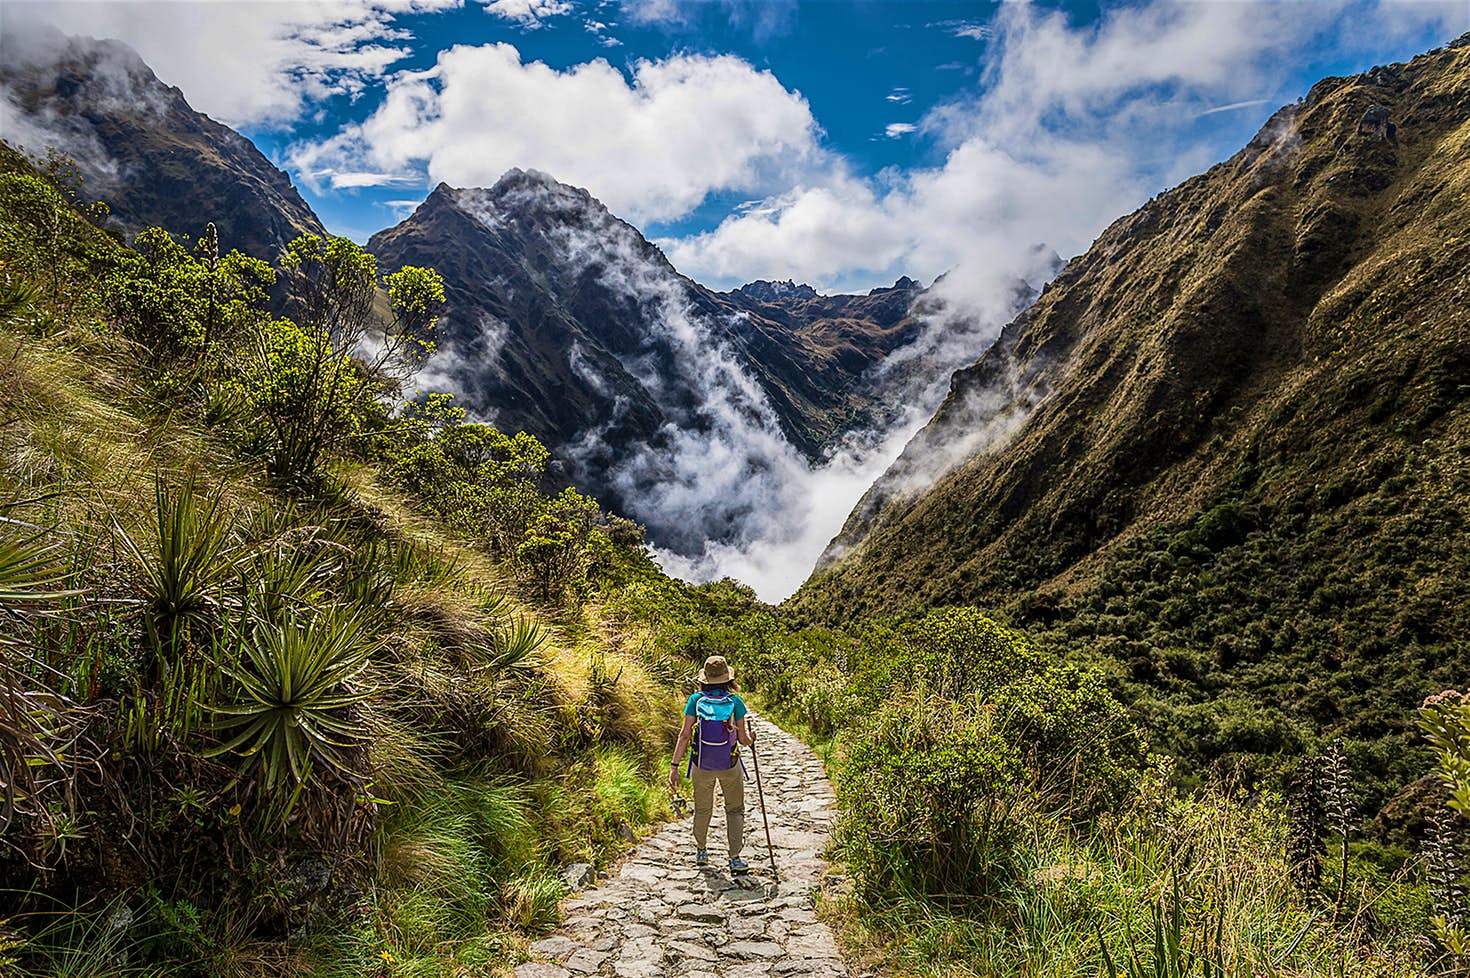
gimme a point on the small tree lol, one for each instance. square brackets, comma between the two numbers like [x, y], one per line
[174, 304]
[475, 476]
[314, 376]
[554, 551]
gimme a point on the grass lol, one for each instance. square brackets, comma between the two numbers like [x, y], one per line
[627, 791]
[1175, 888]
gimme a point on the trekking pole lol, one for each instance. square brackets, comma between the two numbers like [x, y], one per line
[755, 759]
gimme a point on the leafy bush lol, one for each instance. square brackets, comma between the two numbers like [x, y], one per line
[930, 792]
[981, 734]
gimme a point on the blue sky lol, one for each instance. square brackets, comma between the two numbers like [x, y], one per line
[861, 66]
[841, 142]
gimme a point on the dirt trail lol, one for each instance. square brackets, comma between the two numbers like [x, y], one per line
[663, 916]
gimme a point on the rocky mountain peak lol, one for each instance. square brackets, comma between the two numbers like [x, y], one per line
[904, 284]
[764, 290]
[139, 145]
[533, 199]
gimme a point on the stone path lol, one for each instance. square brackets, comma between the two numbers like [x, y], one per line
[661, 916]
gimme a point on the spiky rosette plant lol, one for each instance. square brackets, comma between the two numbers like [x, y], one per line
[39, 728]
[293, 719]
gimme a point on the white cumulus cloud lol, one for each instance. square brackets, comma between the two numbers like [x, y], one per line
[651, 144]
[1071, 127]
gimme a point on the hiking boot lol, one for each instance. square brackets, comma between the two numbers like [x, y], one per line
[739, 866]
[701, 858]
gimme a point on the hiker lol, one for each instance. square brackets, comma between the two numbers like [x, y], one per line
[719, 716]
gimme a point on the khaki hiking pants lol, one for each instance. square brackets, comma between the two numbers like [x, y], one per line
[732, 787]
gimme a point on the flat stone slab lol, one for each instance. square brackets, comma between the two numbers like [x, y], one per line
[556, 948]
[535, 970]
[766, 950]
[585, 961]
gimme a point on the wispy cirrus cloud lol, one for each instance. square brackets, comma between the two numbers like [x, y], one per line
[1249, 103]
[762, 18]
[529, 14]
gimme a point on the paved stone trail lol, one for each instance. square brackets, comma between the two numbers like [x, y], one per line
[661, 916]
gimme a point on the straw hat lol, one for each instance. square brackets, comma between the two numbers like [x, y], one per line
[716, 670]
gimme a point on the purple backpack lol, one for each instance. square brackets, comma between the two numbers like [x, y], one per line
[714, 742]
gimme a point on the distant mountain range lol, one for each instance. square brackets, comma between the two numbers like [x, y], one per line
[140, 146]
[562, 320]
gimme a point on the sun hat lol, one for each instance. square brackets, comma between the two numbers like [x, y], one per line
[716, 670]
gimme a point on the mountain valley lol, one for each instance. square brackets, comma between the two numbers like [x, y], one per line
[329, 650]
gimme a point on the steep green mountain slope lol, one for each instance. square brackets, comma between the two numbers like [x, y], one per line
[139, 145]
[1227, 447]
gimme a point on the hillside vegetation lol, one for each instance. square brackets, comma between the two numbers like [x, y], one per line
[1225, 452]
[291, 683]
[1001, 813]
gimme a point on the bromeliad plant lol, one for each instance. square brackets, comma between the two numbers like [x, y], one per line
[183, 583]
[297, 684]
[183, 578]
[515, 646]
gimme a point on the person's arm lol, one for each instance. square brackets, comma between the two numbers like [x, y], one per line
[743, 733]
[679, 749]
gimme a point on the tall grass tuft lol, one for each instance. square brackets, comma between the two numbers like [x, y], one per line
[532, 899]
[39, 728]
[82, 944]
[624, 791]
[1171, 950]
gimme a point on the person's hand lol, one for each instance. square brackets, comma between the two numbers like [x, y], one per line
[674, 777]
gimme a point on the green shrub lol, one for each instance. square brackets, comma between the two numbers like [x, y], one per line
[976, 734]
[931, 799]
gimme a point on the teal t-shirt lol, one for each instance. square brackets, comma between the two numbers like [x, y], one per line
[740, 710]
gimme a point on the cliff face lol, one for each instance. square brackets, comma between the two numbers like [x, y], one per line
[140, 146]
[565, 322]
